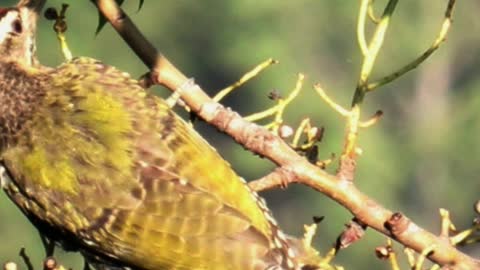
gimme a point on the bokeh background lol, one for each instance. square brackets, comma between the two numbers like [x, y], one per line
[423, 155]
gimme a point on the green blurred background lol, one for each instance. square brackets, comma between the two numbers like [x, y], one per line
[423, 155]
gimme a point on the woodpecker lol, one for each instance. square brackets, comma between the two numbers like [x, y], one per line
[101, 166]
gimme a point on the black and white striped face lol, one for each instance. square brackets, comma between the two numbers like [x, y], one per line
[10, 23]
[17, 35]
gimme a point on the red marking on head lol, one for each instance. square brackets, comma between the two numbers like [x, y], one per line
[3, 11]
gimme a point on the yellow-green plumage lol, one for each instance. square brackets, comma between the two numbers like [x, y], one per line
[137, 181]
[102, 166]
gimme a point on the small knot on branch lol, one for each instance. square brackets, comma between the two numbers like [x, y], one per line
[10, 266]
[383, 252]
[354, 231]
[397, 223]
[347, 169]
[50, 263]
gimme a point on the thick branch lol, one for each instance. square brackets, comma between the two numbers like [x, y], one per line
[368, 211]
[264, 143]
[166, 74]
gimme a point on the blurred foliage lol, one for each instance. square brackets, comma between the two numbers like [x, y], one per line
[423, 155]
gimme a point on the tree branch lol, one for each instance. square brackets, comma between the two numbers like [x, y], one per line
[264, 143]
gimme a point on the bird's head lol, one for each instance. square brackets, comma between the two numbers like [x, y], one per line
[17, 31]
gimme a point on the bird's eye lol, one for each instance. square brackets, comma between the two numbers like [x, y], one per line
[17, 26]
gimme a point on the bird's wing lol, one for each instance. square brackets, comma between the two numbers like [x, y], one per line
[118, 169]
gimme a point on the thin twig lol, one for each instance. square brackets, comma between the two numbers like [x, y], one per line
[373, 49]
[392, 258]
[371, 13]
[372, 121]
[347, 166]
[335, 106]
[410, 256]
[245, 78]
[278, 178]
[278, 109]
[446, 223]
[26, 259]
[422, 256]
[463, 236]
[304, 125]
[415, 63]
[362, 19]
